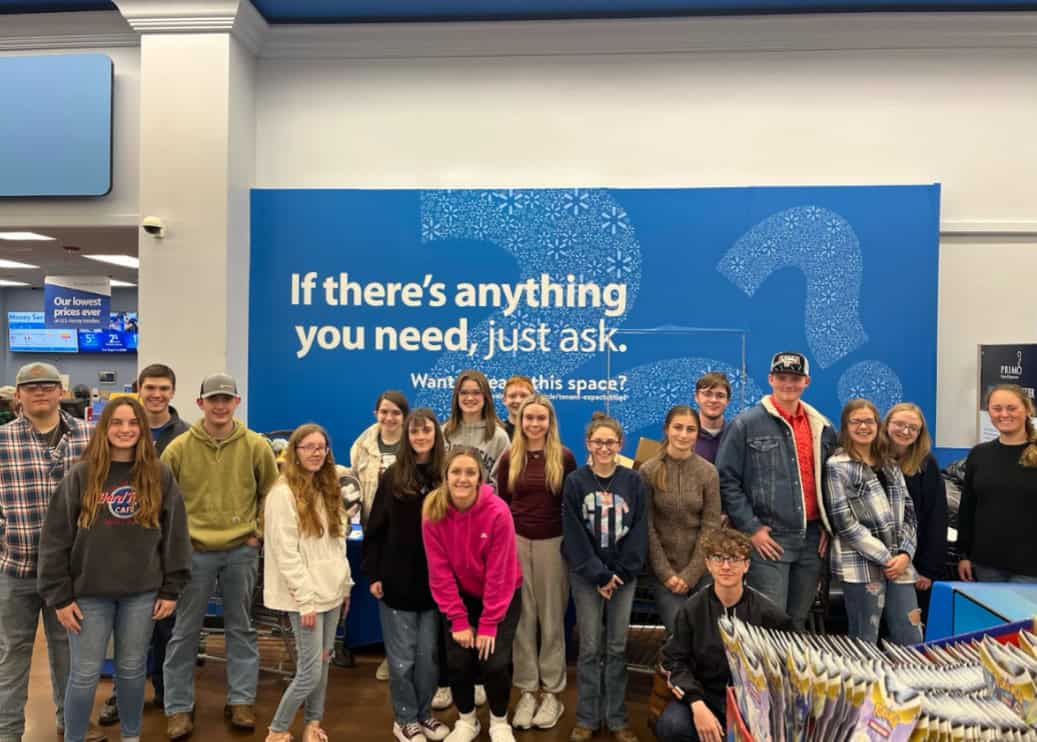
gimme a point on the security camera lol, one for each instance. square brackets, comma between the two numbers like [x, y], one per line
[154, 226]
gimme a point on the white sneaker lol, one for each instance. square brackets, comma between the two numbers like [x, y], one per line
[523, 716]
[465, 731]
[500, 731]
[382, 673]
[480, 695]
[443, 699]
[549, 712]
[434, 729]
[412, 732]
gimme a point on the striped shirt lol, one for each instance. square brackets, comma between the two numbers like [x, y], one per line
[30, 471]
[871, 524]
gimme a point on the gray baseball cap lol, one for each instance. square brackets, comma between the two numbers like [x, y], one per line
[215, 384]
[37, 373]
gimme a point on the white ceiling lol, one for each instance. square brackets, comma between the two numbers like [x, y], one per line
[56, 258]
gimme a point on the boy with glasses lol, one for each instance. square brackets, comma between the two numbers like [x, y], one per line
[36, 450]
[770, 462]
[712, 396]
[694, 658]
[224, 470]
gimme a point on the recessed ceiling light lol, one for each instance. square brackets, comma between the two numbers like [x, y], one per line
[15, 264]
[126, 261]
[5, 282]
[120, 284]
[22, 236]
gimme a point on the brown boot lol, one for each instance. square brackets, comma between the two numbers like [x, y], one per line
[241, 715]
[624, 734]
[180, 725]
[581, 734]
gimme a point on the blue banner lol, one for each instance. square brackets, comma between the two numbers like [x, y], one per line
[76, 301]
[610, 299]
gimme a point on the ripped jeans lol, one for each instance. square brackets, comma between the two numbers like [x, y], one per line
[868, 603]
[308, 687]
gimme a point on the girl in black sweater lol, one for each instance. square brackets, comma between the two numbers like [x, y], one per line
[394, 562]
[905, 429]
[998, 514]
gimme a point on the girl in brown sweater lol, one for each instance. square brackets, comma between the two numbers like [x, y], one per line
[683, 503]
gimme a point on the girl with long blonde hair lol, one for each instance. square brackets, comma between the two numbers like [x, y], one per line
[114, 556]
[306, 572]
[529, 478]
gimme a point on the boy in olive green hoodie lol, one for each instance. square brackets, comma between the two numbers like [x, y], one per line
[224, 470]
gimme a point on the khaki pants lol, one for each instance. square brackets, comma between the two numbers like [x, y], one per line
[545, 594]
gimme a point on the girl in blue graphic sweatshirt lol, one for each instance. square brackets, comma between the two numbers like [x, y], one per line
[605, 542]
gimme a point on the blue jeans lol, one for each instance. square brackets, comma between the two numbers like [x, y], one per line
[993, 574]
[677, 724]
[867, 603]
[791, 581]
[20, 607]
[668, 603]
[130, 619]
[601, 669]
[310, 684]
[411, 649]
[236, 570]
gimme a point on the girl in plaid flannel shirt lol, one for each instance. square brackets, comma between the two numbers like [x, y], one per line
[873, 518]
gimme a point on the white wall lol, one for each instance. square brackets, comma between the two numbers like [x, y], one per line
[364, 114]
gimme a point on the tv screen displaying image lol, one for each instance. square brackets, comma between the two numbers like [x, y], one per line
[27, 334]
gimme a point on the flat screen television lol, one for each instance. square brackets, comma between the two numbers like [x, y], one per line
[27, 334]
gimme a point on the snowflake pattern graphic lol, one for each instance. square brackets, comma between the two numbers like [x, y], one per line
[871, 380]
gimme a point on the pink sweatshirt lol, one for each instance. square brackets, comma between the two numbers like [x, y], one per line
[474, 551]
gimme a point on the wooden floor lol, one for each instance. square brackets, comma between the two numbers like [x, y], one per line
[357, 706]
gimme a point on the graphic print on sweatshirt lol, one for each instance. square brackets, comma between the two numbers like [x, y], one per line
[605, 514]
[121, 503]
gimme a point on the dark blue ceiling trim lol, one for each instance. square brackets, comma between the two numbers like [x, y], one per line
[397, 11]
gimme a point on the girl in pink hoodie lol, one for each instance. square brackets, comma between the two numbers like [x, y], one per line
[476, 581]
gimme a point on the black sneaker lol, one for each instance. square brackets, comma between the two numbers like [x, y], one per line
[109, 713]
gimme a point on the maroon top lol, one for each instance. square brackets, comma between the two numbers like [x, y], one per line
[537, 511]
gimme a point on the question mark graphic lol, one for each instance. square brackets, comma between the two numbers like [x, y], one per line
[813, 239]
[547, 232]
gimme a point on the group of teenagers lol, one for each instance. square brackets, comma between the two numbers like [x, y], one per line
[476, 534]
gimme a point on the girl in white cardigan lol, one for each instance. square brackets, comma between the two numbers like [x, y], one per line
[306, 572]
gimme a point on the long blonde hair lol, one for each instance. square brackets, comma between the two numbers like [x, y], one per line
[145, 474]
[914, 456]
[554, 471]
[1028, 458]
[437, 504]
[310, 488]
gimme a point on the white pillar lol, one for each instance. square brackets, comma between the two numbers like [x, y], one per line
[197, 161]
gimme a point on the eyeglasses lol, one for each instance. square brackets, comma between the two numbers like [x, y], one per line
[43, 386]
[905, 427]
[718, 560]
[721, 396]
[599, 443]
[311, 449]
[469, 393]
[856, 422]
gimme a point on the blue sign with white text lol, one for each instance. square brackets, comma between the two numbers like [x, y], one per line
[76, 301]
[610, 299]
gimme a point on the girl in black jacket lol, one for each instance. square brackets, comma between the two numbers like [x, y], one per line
[395, 564]
[905, 429]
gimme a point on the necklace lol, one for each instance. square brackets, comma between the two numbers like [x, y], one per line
[604, 485]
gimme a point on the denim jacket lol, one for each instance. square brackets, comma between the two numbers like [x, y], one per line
[759, 469]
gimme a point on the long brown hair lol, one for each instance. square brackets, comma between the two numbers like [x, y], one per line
[438, 503]
[403, 474]
[489, 408]
[145, 474]
[1028, 458]
[879, 447]
[310, 488]
[658, 477]
[554, 471]
[914, 455]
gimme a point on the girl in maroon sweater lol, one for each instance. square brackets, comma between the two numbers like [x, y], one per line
[529, 479]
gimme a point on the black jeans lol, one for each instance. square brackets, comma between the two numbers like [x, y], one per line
[466, 669]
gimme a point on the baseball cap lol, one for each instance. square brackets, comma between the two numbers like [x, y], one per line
[37, 373]
[214, 384]
[790, 362]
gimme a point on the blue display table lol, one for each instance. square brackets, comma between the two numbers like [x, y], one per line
[963, 607]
